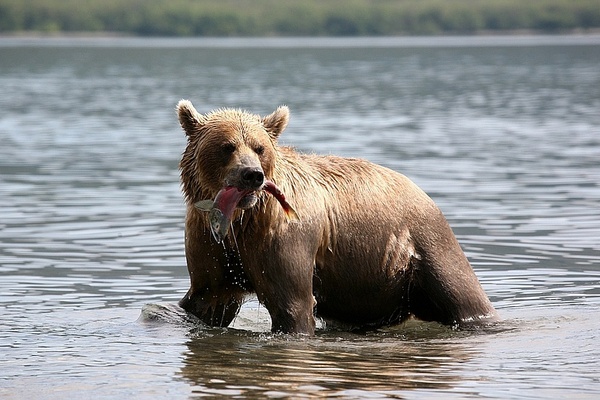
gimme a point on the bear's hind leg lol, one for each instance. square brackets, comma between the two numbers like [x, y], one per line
[443, 285]
[449, 293]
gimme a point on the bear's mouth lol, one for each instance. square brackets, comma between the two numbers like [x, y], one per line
[248, 201]
[229, 198]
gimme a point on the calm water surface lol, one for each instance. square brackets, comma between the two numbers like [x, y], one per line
[504, 134]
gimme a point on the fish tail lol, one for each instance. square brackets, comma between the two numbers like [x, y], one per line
[291, 214]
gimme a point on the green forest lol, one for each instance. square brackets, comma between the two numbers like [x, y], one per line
[296, 18]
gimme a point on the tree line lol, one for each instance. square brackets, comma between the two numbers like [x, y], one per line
[296, 18]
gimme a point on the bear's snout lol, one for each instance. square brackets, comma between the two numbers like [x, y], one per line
[252, 177]
[248, 174]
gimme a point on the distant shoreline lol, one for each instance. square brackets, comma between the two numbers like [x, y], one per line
[278, 42]
[481, 33]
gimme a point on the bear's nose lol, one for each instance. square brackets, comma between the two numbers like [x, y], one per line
[253, 177]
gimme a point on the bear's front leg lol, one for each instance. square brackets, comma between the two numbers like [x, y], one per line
[217, 283]
[211, 308]
[293, 315]
[284, 286]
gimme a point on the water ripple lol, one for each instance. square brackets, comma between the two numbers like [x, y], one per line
[504, 139]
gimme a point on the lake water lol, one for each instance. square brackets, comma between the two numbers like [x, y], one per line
[503, 133]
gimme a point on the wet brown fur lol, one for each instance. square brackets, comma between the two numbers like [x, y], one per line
[370, 246]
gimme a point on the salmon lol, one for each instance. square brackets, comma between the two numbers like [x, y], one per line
[222, 207]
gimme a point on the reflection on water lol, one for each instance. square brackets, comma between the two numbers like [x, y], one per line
[506, 139]
[332, 366]
[248, 360]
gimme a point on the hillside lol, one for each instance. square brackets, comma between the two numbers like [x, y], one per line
[295, 18]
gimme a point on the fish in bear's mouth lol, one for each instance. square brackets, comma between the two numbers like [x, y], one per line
[229, 198]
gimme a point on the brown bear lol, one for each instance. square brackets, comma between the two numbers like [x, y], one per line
[368, 247]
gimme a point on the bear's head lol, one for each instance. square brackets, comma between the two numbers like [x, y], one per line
[228, 147]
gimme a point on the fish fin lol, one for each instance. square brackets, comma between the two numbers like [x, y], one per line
[204, 205]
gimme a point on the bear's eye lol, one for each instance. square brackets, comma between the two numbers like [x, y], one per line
[228, 148]
[259, 150]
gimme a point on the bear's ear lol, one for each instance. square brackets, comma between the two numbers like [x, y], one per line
[191, 121]
[276, 122]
